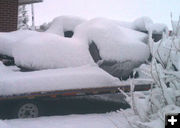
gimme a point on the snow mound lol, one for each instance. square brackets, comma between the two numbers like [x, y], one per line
[113, 41]
[8, 40]
[53, 79]
[124, 24]
[51, 51]
[64, 23]
[145, 24]
[157, 28]
[142, 23]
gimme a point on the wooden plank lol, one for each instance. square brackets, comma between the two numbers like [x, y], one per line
[76, 92]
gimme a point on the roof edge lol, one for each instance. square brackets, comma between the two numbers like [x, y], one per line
[22, 2]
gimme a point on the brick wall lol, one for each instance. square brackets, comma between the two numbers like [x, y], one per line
[8, 15]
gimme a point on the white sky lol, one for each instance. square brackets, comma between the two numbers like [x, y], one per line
[124, 10]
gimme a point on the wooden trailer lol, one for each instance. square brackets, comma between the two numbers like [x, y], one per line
[27, 105]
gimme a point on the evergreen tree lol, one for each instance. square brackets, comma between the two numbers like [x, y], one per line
[22, 17]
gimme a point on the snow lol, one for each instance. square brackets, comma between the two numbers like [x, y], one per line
[100, 30]
[64, 23]
[51, 51]
[4, 125]
[144, 71]
[67, 60]
[9, 39]
[145, 24]
[124, 24]
[14, 82]
[109, 120]
[176, 27]
[113, 40]
[164, 48]
[99, 26]
[60, 24]
[42, 51]
[142, 23]
[157, 28]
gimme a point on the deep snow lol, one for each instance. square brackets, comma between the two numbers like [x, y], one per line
[69, 56]
[113, 40]
[146, 24]
[49, 51]
[15, 82]
[12, 81]
[9, 39]
[64, 23]
[109, 120]
[53, 51]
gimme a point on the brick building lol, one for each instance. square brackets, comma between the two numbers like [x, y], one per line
[9, 13]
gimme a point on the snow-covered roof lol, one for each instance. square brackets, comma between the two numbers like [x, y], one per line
[29, 1]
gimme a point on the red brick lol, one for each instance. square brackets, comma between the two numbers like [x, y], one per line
[8, 15]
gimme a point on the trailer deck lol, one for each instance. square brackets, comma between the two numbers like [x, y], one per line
[76, 92]
[32, 89]
[64, 92]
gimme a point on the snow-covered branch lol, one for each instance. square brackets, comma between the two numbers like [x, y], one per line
[164, 96]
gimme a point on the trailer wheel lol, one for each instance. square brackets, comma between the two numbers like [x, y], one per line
[27, 110]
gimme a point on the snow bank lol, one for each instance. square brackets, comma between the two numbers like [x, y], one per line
[64, 23]
[108, 120]
[113, 41]
[4, 125]
[9, 39]
[51, 51]
[87, 76]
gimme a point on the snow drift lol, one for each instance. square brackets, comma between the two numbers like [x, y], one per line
[142, 23]
[9, 39]
[87, 76]
[145, 24]
[51, 51]
[64, 23]
[115, 43]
